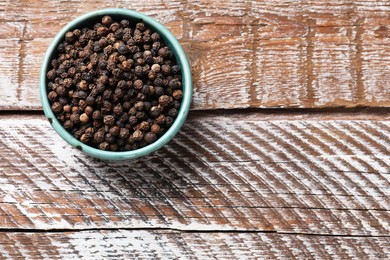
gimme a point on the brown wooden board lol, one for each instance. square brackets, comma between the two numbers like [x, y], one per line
[243, 53]
[250, 172]
[165, 244]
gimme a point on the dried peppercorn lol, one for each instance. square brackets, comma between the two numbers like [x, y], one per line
[155, 111]
[138, 135]
[164, 100]
[155, 128]
[107, 20]
[68, 124]
[114, 130]
[57, 107]
[88, 110]
[98, 137]
[109, 120]
[124, 133]
[177, 94]
[52, 96]
[84, 118]
[150, 137]
[104, 146]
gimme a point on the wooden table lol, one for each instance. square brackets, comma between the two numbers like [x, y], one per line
[286, 152]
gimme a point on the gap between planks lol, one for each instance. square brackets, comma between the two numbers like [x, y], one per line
[181, 230]
[262, 114]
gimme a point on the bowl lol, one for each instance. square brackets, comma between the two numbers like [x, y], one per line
[88, 20]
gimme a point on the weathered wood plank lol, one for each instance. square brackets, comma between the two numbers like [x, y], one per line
[220, 172]
[252, 53]
[165, 244]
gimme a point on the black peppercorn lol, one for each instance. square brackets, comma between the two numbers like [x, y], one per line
[177, 94]
[109, 138]
[123, 118]
[67, 109]
[141, 96]
[90, 100]
[145, 89]
[68, 124]
[176, 104]
[56, 107]
[99, 101]
[139, 105]
[52, 96]
[155, 128]
[81, 94]
[126, 105]
[98, 137]
[155, 37]
[140, 115]
[132, 111]
[51, 74]
[138, 84]
[139, 72]
[168, 121]
[84, 138]
[124, 133]
[118, 110]
[147, 106]
[84, 118]
[114, 130]
[163, 52]
[104, 146]
[114, 27]
[75, 118]
[133, 120]
[154, 111]
[60, 90]
[109, 120]
[114, 147]
[107, 94]
[164, 100]
[144, 126]
[107, 20]
[172, 112]
[63, 100]
[102, 31]
[96, 115]
[125, 23]
[160, 120]
[150, 137]
[166, 69]
[88, 110]
[123, 49]
[138, 135]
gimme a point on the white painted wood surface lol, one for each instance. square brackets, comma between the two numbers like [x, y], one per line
[165, 244]
[250, 183]
[252, 53]
[328, 177]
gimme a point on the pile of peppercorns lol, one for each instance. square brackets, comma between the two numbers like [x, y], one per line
[115, 86]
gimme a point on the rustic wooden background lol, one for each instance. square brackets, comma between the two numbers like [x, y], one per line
[286, 152]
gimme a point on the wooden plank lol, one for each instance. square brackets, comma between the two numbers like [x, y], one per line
[252, 172]
[252, 53]
[165, 244]
[10, 76]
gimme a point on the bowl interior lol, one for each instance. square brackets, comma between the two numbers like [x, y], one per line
[88, 20]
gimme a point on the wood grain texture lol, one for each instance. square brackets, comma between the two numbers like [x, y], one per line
[251, 53]
[165, 244]
[219, 173]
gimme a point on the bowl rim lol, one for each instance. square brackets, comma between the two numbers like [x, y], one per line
[180, 55]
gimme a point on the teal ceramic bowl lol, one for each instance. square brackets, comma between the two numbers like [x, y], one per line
[88, 20]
